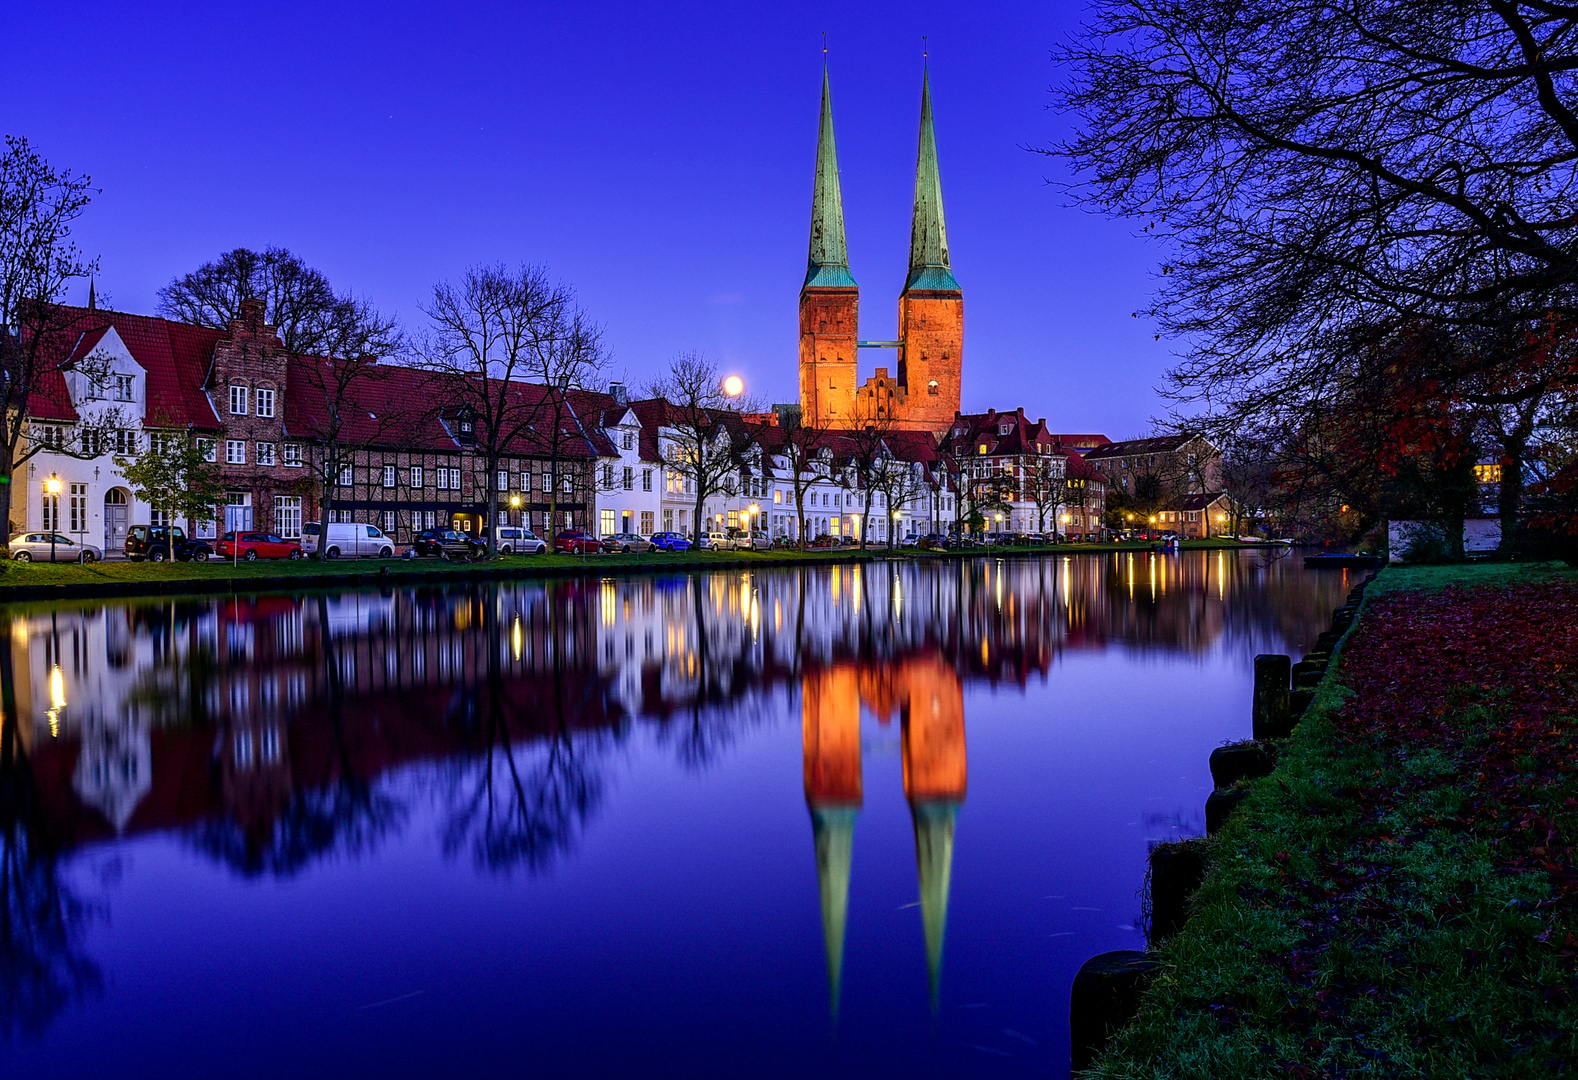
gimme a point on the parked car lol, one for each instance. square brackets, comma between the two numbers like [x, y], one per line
[157, 543]
[717, 541]
[27, 547]
[627, 543]
[910, 541]
[749, 541]
[576, 542]
[349, 538]
[257, 545]
[517, 538]
[670, 541]
[446, 544]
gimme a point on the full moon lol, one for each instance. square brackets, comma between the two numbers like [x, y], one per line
[734, 386]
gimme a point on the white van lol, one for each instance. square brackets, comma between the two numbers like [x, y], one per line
[517, 538]
[349, 538]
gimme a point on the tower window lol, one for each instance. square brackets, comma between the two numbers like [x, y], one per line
[931, 387]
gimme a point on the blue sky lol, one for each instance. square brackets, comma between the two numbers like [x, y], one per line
[656, 157]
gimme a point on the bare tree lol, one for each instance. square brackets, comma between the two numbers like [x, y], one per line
[297, 299]
[333, 387]
[806, 461]
[702, 447]
[1318, 164]
[38, 336]
[1046, 484]
[491, 333]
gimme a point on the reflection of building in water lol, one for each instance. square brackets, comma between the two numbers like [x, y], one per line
[926, 693]
[159, 714]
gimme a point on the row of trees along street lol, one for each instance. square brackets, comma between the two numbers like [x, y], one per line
[1368, 213]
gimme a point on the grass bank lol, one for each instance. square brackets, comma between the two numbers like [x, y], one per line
[115, 578]
[1400, 897]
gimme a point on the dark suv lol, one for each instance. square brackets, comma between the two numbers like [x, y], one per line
[157, 543]
[447, 544]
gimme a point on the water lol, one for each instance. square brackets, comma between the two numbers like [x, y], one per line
[808, 823]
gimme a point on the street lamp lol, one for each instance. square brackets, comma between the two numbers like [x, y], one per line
[52, 488]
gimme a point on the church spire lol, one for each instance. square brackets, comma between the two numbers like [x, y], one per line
[928, 236]
[828, 265]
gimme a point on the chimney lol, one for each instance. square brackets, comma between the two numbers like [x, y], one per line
[252, 313]
[616, 390]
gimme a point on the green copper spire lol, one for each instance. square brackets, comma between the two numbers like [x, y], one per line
[934, 822]
[834, 830]
[829, 261]
[928, 236]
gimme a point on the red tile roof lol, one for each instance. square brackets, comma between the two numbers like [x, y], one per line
[174, 355]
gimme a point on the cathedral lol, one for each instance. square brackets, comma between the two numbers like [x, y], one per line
[922, 391]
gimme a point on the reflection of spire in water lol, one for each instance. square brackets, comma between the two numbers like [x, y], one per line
[834, 829]
[830, 703]
[934, 823]
[935, 777]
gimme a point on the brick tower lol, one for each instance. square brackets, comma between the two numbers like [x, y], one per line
[829, 299]
[931, 307]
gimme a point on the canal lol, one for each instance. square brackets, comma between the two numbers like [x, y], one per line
[823, 822]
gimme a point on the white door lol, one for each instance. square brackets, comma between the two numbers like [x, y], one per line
[114, 520]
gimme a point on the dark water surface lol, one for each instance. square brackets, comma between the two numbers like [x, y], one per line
[826, 822]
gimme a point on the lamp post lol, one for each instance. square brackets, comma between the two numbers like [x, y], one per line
[52, 489]
[515, 504]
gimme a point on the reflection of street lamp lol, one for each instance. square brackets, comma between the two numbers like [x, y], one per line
[52, 488]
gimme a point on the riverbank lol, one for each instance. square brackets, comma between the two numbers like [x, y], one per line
[43, 580]
[1400, 897]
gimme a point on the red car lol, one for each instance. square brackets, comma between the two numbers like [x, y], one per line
[576, 542]
[257, 545]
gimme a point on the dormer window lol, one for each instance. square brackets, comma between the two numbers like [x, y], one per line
[238, 401]
[466, 427]
[981, 449]
[121, 387]
[1004, 429]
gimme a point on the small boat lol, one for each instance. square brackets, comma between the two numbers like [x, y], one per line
[1358, 558]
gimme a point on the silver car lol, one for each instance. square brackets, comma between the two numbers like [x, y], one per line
[36, 545]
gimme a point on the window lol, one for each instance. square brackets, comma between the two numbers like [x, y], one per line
[265, 402]
[646, 479]
[608, 476]
[389, 476]
[931, 387]
[51, 435]
[389, 522]
[293, 455]
[79, 509]
[629, 478]
[503, 480]
[568, 485]
[287, 516]
[734, 519]
[121, 387]
[265, 452]
[646, 523]
[778, 497]
[429, 517]
[526, 482]
[238, 401]
[668, 521]
[347, 475]
[235, 452]
[607, 522]
[629, 441]
[416, 477]
[446, 478]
